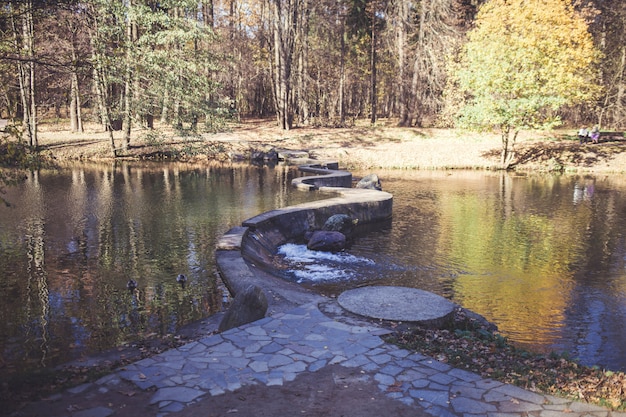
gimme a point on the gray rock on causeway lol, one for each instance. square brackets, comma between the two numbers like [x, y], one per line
[370, 182]
[340, 223]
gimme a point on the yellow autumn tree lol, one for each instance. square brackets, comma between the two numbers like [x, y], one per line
[524, 60]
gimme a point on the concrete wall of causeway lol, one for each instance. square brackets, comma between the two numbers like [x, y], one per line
[255, 243]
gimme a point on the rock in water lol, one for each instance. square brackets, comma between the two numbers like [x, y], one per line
[248, 306]
[340, 223]
[370, 182]
[327, 241]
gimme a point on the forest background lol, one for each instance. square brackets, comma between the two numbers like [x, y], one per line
[194, 65]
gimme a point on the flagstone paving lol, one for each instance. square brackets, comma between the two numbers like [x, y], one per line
[275, 350]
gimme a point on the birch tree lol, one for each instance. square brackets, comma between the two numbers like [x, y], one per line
[23, 27]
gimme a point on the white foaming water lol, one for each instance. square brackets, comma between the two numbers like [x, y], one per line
[317, 266]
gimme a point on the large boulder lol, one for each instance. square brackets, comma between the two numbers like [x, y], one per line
[248, 306]
[370, 182]
[340, 223]
[327, 241]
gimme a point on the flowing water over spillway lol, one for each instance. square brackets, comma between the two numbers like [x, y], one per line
[542, 256]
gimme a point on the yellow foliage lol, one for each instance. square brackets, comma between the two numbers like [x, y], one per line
[525, 59]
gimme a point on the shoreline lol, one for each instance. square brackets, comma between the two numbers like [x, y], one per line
[356, 148]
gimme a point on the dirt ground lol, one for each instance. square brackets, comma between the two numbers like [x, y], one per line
[333, 391]
[384, 146]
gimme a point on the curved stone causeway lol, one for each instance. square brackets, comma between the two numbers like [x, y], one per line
[244, 255]
[307, 331]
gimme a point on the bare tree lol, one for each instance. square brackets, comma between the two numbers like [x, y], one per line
[436, 31]
[284, 22]
[373, 11]
[289, 23]
[130, 73]
[608, 25]
[98, 13]
[71, 38]
[22, 23]
[400, 12]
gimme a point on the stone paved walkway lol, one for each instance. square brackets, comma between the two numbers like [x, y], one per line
[274, 350]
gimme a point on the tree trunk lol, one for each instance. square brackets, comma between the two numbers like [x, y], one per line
[177, 115]
[374, 97]
[232, 81]
[165, 108]
[101, 83]
[286, 21]
[128, 77]
[73, 104]
[507, 154]
[29, 36]
[418, 65]
[105, 116]
[208, 13]
[279, 67]
[401, 36]
[101, 98]
[127, 109]
[302, 104]
[76, 121]
[79, 111]
[22, 74]
[24, 44]
[342, 73]
[620, 112]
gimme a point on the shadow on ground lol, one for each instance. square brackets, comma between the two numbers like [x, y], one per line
[564, 153]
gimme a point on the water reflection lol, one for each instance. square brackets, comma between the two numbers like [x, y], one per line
[542, 256]
[73, 239]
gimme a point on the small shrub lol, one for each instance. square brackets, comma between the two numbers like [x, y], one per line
[153, 138]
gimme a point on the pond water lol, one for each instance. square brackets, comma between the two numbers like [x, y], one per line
[544, 257]
[72, 239]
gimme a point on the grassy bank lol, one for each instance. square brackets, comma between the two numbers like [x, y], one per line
[383, 146]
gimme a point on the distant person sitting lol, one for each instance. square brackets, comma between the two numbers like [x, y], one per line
[583, 133]
[595, 134]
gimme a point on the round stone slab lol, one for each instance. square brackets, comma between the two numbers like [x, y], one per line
[398, 304]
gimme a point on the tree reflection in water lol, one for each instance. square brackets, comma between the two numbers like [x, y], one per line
[74, 238]
[543, 256]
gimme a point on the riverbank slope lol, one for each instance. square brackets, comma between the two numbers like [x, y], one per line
[383, 146]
